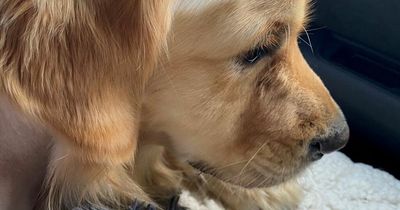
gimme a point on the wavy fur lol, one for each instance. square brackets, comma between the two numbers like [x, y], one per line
[80, 67]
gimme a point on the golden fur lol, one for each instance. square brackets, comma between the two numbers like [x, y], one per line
[83, 68]
[80, 68]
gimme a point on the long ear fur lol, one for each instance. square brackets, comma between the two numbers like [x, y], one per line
[80, 68]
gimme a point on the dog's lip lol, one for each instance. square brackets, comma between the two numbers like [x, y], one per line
[203, 168]
[199, 166]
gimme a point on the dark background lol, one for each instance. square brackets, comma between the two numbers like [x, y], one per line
[356, 52]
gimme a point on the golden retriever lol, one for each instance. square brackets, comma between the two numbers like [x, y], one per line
[236, 100]
[233, 98]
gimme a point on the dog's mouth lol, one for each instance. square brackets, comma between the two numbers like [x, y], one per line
[203, 167]
[257, 181]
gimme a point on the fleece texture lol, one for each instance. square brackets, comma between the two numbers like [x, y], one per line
[337, 183]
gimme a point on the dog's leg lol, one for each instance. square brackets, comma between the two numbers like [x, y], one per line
[158, 175]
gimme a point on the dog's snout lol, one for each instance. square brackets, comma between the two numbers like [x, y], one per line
[334, 139]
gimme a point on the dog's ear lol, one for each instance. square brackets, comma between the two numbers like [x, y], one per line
[53, 52]
[153, 23]
[79, 67]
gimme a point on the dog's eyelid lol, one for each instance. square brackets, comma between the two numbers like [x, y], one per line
[262, 50]
[267, 46]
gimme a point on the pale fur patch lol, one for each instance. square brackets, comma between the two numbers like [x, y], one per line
[189, 201]
[195, 6]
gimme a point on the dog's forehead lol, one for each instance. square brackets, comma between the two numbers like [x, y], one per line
[247, 13]
[217, 24]
[278, 6]
[195, 6]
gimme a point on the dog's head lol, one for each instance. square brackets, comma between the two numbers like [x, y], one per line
[236, 98]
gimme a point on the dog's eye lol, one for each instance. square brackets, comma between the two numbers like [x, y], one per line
[254, 55]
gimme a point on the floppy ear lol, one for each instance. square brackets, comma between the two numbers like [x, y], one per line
[80, 67]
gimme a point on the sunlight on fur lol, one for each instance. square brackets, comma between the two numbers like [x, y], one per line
[149, 98]
[80, 68]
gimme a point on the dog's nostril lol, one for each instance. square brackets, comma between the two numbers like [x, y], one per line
[315, 145]
[315, 150]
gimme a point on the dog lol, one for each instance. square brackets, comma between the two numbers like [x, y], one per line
[80, 68]
[236, 100]
[232, 98]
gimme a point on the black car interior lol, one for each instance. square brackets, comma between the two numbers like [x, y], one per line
[354, 46]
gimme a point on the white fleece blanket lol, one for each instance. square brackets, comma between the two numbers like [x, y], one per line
[335, 182]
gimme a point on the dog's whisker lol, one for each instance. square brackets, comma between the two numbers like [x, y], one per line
[231, 164]
[316, 29]
[249, 161]
[261, 183]
[287, 33]
[309, 40]
[305, 42]
[221, 191]
[282, 172]
[61, 158]
[256, 178]
[264, 169]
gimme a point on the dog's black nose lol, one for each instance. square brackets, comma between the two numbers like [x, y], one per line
[334, 139]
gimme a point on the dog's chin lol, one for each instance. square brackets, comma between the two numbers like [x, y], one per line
[248, 180]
